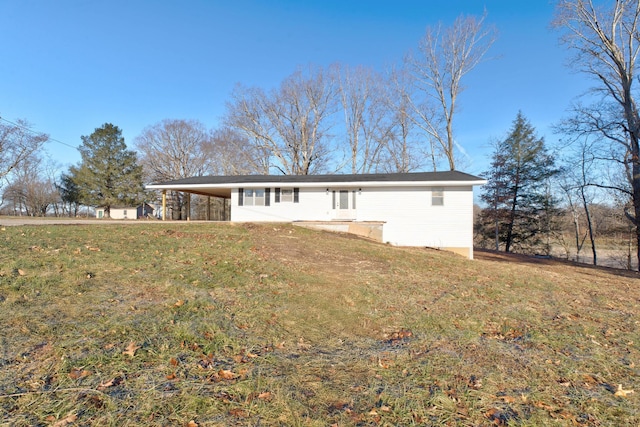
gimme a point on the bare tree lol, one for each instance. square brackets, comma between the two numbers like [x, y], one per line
[575, 182]
[17, 144]
[605, 40]
[366, 114]
[290, 123]
[444, 57]
[401, 152]
[231, 153]
[173, 149]
[31, 191]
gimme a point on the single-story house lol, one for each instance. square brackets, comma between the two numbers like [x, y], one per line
[144, 210]
[427, 209]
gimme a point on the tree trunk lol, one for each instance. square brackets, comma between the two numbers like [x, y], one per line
[633, 120]
[635, 182]
[592, 238]
[512, 219]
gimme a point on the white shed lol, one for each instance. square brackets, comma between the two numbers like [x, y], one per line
[127, 212]
[428, 209]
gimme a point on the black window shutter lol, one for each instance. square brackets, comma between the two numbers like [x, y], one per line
[277, 197]
[240, 196]
[296, 195]
[267, 197]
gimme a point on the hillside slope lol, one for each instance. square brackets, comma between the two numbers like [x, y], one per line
[218, 324]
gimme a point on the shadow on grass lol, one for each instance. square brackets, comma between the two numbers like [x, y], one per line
[489, 255]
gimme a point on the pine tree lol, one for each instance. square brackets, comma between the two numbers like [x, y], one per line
[108, 174]
[519, 206]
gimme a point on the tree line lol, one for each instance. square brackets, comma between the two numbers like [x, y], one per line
[341, 119]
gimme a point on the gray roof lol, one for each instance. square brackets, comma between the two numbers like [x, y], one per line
[292, 179]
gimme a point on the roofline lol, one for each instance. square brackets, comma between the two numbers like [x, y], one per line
[318, 184]
[449, 177]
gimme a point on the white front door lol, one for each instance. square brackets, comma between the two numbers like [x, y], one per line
[344, 204]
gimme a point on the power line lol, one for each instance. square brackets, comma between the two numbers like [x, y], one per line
[37, 133]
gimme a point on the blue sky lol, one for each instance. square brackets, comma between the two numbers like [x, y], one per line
[68, 66]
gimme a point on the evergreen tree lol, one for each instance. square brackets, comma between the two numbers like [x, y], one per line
[108, 174]
[520, 207]
[69, 193]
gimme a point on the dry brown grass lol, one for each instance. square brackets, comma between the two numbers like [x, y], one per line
[217, 324]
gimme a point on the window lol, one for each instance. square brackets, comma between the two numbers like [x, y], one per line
[254, 197]
[258, 197]
[248, 197]
[437, 196]
[287, 195]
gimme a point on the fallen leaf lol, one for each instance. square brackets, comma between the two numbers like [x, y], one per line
[544, 406]
[131, 349]
[265, 395]
[192, 423]
[385, 363]
[237, 412]
[21, 272]
[173, 361]
[620, 392]
[507, 399]
[179, 303]
[77, 373]
[227, 375]
[71, 418]
[111, 383]
[302, 345]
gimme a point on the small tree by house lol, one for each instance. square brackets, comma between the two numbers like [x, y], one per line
[520, 208]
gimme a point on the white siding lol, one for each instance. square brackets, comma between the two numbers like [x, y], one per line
[118, 213]
[314, 205]
[410, 219]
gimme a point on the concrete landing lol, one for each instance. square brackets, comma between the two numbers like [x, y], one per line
[369, 229]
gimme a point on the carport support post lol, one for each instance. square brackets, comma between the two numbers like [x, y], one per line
[188, 206]
[208, 208]
[164, 204]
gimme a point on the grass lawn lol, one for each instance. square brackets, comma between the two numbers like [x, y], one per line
[272, 325]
